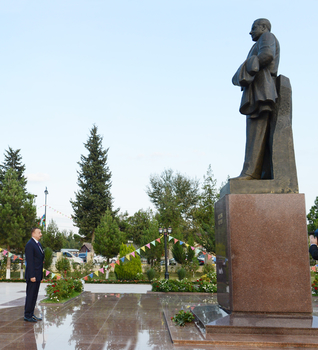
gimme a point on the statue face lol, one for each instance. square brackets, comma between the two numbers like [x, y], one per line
[257, 30]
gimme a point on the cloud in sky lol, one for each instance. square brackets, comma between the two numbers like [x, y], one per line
[38, 177]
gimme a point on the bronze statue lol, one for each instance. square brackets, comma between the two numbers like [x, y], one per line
[257, 79]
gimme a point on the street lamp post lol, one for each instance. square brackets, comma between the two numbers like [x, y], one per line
[164, 230]
[46, 192]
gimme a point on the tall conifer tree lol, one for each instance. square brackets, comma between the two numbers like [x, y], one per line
[94, 181]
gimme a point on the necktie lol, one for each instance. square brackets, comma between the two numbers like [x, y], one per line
[39, 247]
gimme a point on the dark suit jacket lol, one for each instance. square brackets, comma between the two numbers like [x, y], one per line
[34, 261]
[313, 250]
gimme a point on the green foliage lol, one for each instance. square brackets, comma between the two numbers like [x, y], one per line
[48, 258]
[63, 265]
[71, 240]
[17, 212]
[314, 285]
[108, 237]
[183, 317]
[179, 253]
[139, 223]
[94, 181]
[181, 274]
[204, 213]
[200, 286]
[63, 289]
[313, 217]
[128, 270]
[52, 237]
[175, 197]
[151, 274]
[139, 276]
[207, 268]
[192, 266]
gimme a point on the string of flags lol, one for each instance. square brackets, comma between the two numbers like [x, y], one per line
[57, 211]
[126, 257]
[9, 254]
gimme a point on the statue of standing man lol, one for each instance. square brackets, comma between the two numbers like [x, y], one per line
[257, 79]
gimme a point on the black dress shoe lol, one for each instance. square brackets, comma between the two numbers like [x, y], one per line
[37, 318]
[31, 319]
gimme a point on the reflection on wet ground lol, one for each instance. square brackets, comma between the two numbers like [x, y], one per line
[98, 321]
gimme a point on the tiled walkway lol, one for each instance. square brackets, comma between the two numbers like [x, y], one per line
[112, 321]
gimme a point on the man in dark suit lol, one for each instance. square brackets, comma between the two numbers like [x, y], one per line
[34, 257]
[257, 79]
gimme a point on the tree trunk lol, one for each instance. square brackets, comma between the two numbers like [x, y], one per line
[8, 272]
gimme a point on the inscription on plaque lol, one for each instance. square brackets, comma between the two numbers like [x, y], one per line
[220, 219]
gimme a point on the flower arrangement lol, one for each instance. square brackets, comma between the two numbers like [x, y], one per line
[183, 317]
[314, 285]
[63, 289]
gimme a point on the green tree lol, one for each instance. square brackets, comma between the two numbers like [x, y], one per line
[17, 213]
[179, 253]
[52, 237]
[204, 213]
[71, 240]
[94, 181]
[13, 160]
[313, 217]
[175, 197]
[108, 237]
[48, 258]
[128, 270]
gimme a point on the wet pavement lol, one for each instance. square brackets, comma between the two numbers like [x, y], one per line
[112, 321]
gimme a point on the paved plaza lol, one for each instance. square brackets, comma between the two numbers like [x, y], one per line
[112, 317]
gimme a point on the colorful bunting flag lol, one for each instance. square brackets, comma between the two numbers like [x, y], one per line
[170, 238]
[85, 278]
[117, 262]
[181, 242]
[101, 270]
[209, 256]
[10, 254]
[158, 240]
[133, 254]
[192, 248]
[148, 245]
[14, 257]
[47, 273]
[143, 248]
[5, 252]
[96, 273]
[127, 257]
[138, 251]
[175, 240]
[204, 253]
[122, 259]
[91, 275]
[153, 242]
[112, 265]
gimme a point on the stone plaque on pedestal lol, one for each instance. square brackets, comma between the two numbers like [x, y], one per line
[262, 254]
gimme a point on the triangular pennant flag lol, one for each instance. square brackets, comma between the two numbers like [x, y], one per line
[170, 238]
[1, 250]
[181, 242]
[158, 240]
[122, 259]
[96, 273]
[5, 252]
[53, 275]
[47, 273]
[10, 254]
[58, 277]
[14, 257]
[143, 248]
[91, 275]
[127, 257]
[153, 242]
[175, 240]
[138, 251]
[209, 256]
[101, 270]
[148, 245]
[117, 262]
[133, 254]
[192, 248]
[86, 278]
[197, 251]
[204, 253]
[112, 265]
[186, 244]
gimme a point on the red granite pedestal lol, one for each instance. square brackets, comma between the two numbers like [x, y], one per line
[263, 263]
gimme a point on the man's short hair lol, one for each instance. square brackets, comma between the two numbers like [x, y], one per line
[265, 22]
[34, 228]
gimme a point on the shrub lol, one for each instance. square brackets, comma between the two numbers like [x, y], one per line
[181, 274]
[183, 286]
[63, 289]
[48, 258]
[128, 270]
[208, 268]
[63, 265]
[139, 276]
[151, 274]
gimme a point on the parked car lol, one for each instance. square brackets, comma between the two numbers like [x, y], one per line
[201, 259]
[98, 259]
[83, 256]
[72, 257]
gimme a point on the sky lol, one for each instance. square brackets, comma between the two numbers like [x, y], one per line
[155, 78]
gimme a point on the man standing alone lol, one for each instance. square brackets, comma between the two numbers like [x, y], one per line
[34, 257]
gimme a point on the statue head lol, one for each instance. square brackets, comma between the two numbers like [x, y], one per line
[259, 27]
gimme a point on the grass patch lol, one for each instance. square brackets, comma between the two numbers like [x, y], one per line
[49, 301]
